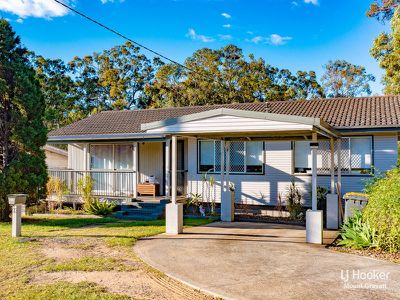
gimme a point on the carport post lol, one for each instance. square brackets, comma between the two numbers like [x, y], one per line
[135, 154]
[314, 217]
[227, 207]
[174, 210]
[222, 174]
[167, 168]
[332, 209]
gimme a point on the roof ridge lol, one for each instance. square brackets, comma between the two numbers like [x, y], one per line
[266, 103]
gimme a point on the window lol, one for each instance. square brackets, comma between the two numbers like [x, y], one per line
[245, 157]
[111, 157]
[356, 156]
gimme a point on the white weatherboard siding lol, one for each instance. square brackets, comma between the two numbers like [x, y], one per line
[151, 162]
[264, 189]
[231, 124]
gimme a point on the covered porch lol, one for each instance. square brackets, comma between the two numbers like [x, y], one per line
[230, 126]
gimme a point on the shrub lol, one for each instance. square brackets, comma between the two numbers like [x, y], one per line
[383, 210]
[357, 234]
[97, 207]
[85, 188]
[55, 186]
[293, 202]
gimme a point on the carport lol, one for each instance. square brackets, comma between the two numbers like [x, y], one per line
[229, 125]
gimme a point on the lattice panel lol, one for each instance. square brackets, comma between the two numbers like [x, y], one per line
[324, 157]
[217, 156]
[345, 155]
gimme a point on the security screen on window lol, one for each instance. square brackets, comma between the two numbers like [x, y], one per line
[356, 156]
[245, 157]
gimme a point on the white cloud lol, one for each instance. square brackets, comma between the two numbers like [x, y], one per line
[277, 39]
[110, 1]
[34, 8]
[225, 37]
[227, 25]
[274, 39]
[199, 37]
[19, 20]
[226, 15]
[294, 3]
[250, 32]
[314, 2]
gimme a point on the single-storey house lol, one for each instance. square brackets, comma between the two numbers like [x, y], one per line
[259, 147]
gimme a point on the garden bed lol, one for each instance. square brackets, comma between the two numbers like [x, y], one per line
[268, 219]
[372, 253]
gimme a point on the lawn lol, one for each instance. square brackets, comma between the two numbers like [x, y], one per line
[101, 244]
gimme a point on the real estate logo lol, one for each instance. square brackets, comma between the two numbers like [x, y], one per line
[358, 279]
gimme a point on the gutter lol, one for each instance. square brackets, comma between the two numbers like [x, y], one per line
[65, 139]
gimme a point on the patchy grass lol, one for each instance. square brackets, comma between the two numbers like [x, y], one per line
[89, 264]
[66, 290]
[21, 259]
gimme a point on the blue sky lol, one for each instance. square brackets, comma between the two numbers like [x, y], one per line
[299, 35]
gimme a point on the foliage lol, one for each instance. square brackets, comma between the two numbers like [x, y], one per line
[382, 10]
[22, 132]
[55, 186]
[383, 210]
[113, 79]
[97, 207]
[386, 50]
[193, 201]
[58, 89]
[357, 234]
[294, 201]
[343, 79]
[226, 76]
[85, 188]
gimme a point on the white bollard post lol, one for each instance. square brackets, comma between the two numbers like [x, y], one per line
[16, 201]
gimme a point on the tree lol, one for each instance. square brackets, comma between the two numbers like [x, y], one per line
[343, 79]
[382, 10]
[58, 89]
[386, 50]
[112, 79]
[22, 132]
[226, 76]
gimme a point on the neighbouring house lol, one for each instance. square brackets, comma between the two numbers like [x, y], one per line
[262, 147]
[56, 158]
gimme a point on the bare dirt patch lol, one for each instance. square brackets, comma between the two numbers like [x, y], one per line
[140, 282]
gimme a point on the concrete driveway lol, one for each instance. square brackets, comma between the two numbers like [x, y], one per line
[267, 261]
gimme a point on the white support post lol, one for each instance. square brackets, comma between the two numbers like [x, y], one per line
[314, 217]
[85, 157]
[168, 168]
[314, 149]
[174, 210]
[332, 212]
[222, 171]
[174, 163]
[227, 202]
[339, 177]
[135, 153]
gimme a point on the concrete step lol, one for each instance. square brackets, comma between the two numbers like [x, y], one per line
[138, 216]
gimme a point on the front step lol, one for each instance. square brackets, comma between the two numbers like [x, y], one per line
[142, 210]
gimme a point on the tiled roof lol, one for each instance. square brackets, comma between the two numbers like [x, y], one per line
[340, 113]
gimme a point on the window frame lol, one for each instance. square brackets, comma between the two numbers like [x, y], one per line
[113, 169]
[345, 172]
[233, 173]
